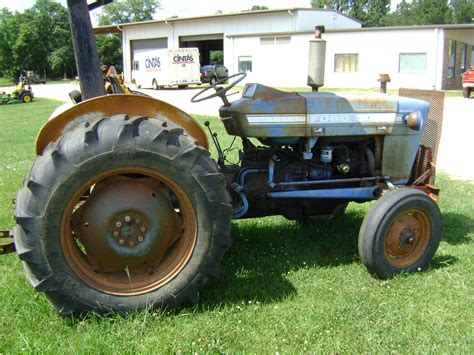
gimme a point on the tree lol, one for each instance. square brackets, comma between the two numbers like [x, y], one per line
[371, 12]
[421, 12]
[9, 26]
[462, 11]
[259, 7]
[342, 6]
[377, 12]
[38, 39]
[125, 11]
[374, 13]
[109, 46]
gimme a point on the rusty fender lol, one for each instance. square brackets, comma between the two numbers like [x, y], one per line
[110, 105]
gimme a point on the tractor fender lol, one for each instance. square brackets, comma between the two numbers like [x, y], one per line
[110, 105]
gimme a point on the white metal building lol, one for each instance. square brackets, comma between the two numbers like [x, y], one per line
[272, 47]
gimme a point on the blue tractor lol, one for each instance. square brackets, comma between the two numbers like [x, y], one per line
[125, 209]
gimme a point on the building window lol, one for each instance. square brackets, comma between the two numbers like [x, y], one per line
[412, 63]
[451, 58]
[283, 40]
[275, 40]
[346, 63]
[463, 57]
[267, 40]
[245, 64]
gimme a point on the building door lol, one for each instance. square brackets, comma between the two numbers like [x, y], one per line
[211, 46]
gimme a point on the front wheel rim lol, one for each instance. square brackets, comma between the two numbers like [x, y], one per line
[407, 238]
[95, 268]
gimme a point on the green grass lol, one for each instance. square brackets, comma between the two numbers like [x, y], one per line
[284, 287]
[6, 82]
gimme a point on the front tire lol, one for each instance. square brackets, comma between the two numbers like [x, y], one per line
[155, 85]
[26, 98]
[400, 234]
[122, 214]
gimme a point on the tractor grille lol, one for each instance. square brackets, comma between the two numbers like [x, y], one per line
[432, 132]
[422, 164]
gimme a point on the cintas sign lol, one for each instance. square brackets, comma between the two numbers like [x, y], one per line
[183, 59]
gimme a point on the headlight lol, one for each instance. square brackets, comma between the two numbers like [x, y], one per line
[413, 120]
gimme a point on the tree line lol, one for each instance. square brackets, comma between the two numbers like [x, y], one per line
[39, 39]
[376, 13]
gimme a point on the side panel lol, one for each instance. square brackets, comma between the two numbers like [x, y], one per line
[110, 105]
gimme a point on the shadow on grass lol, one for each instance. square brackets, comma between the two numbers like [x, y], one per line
[263, 252]
[456, 228]
[442, 261]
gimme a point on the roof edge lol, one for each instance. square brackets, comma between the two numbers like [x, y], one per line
[242, 13]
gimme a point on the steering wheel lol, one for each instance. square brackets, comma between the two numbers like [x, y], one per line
[219, 90]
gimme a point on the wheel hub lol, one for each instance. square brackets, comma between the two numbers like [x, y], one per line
[407, 238]
[129, 230]
[127, 224]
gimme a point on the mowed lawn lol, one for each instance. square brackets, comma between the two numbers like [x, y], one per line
[284, 287]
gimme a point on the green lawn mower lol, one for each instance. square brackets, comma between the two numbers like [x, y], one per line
[22, 93]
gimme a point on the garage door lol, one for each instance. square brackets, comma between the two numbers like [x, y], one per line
[206, 37]
[143, 45]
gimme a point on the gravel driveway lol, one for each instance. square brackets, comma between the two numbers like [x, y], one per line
[455, 149]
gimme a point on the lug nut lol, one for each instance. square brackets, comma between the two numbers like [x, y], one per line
[131, 244]
[116, 234]
[127, 219]
[138, 221]
[121, 242]
[118, 224]
[140, 238]
[143, 228]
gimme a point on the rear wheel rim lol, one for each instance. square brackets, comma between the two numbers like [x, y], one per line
[27, 98]
[95, 268]
[407, 238]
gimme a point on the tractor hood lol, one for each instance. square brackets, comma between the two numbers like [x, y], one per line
[264, 112]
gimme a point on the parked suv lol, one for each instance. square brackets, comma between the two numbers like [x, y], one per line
[468, 82]
[212, 73]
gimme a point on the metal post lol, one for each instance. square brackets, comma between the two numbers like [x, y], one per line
[85, 51]
[383, 79]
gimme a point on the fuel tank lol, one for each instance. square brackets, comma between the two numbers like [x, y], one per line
[267, 113]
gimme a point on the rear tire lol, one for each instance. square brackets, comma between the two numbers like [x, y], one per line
[466, 92]
[56, 204]
[400, 234]
[213, 81]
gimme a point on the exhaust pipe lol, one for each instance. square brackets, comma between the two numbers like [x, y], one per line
[85, 51]
[317, 59]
